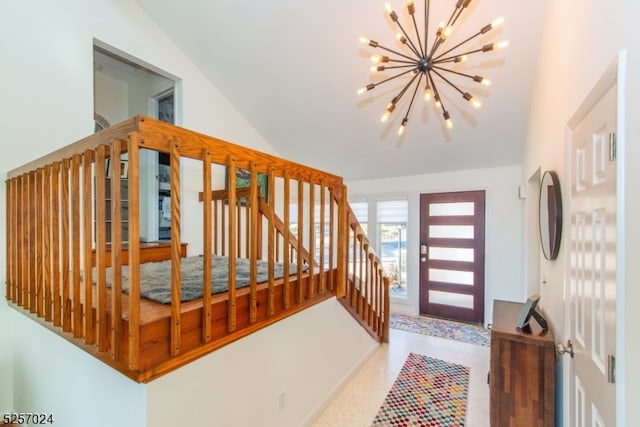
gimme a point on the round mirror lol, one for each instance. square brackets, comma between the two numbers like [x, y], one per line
[550, 214]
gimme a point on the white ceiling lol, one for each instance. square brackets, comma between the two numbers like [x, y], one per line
[292, 68]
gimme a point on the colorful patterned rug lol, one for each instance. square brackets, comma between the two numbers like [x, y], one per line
[427, 392]
[472, 334]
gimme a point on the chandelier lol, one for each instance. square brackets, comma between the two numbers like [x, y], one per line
[431, 63]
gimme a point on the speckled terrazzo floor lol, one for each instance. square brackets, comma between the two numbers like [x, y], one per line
[357, 404]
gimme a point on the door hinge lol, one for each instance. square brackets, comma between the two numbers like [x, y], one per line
[611, 368]
[613, 149]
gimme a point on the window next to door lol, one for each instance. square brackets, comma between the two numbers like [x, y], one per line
[388, 232]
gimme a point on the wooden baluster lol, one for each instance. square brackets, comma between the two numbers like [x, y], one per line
[385, 326]
[253, 256]
[380, 277]
[355, 267]
[300, 236]
[55, 242]
[116, 250]
[16, 238]
[376, 296]
[87, 222]
[223, 225]
[101, 248]
[370, 289]
[238, 228]
[231, 185]
[216, 206]
[206, 253]
[64, 241]
[176, 334]
[248, 208]
[321, 281]
[271, 243]
[75, 246]
[361, 261]
[31, 301]
[134, 250]
[312, 239]
[46, 255]
[23, 296]
[10, 241]
[332, 238]
[364, 264]
[285, 237]
[38, 228]
[343, 242]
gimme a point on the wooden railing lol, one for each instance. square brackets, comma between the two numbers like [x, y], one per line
[60, 228]
[366, 293]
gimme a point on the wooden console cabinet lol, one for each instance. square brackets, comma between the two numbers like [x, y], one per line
[522, 375]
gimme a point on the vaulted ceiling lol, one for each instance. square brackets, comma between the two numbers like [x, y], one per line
[292, 68]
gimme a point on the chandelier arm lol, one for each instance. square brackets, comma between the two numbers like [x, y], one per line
[458, 45]
[449, 82]
[392, 77]
[455, 72]
[413, 97]
[412, 65]
[396, 52]
[427, 13]
[399, 61]
[415, 26]
[410, 45]
[404, 89]
[440, 61]
[436, 93]
[453, 18]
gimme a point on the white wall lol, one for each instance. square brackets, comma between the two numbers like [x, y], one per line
[580, 40]
[53, 377]
[503, 225]
[47, 64]
[306, 357]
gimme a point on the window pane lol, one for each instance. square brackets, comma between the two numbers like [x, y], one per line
[451, 231]
[451, 209]
[447, 298]
[451, 254]
[392, 237]
[451, 276]
[393, 211]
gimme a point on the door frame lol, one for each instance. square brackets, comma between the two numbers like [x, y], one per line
[614, 74]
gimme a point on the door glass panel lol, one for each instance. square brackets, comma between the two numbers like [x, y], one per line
[451, 276]
[448, 298]
[451, 254]
[451, 209]
[451, 231]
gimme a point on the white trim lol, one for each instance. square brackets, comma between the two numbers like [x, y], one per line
[621, 270]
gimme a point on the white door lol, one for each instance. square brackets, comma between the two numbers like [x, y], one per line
[592, 269]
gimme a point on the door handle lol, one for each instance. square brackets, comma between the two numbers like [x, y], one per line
[562, 349]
